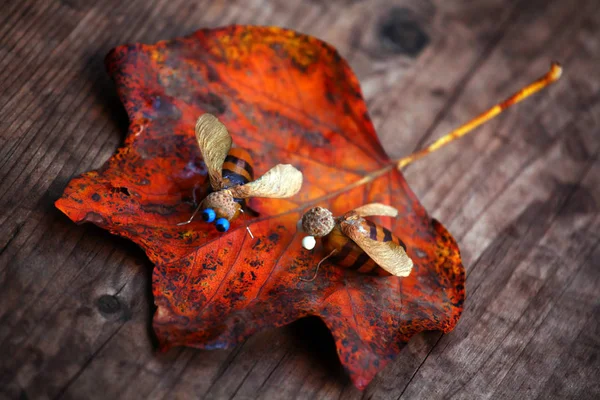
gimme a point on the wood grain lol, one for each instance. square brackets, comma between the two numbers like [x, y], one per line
[521, 196]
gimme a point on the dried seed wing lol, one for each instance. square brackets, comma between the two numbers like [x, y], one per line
[214, 142]
[283, 180]
[376, 209]
[388, 255]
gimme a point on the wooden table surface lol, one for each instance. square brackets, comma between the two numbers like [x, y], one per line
[521, 196]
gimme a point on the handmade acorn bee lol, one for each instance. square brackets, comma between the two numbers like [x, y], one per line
[356, 243]
[231, 176]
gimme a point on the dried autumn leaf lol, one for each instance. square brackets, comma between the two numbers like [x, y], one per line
[287, 98]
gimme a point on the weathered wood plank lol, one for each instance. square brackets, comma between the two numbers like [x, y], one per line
[521, 181]
[521, 196]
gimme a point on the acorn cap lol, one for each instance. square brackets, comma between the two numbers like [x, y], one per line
[318, 222]
[223, 204]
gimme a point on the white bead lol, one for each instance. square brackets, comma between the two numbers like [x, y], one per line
[309, 242]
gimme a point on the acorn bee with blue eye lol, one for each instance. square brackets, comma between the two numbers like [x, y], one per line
[356, 243]
[231, 176]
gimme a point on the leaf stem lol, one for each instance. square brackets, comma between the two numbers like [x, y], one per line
[551, 76]
[364, 180]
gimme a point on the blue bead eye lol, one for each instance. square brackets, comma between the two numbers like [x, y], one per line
[209, 215]
[222, 225]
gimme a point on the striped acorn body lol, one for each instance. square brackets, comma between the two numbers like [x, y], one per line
[237, 168]
[350, 255]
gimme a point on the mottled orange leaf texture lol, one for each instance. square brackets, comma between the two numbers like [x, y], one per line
[286, 98]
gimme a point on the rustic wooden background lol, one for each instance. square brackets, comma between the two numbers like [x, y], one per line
[521, 197]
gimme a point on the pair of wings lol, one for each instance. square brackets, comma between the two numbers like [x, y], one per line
[388, 255]
[283, 180]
